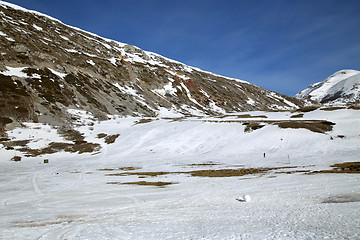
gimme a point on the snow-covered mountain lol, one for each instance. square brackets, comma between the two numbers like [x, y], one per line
[343, 87]
[169, 176]
[48, 67]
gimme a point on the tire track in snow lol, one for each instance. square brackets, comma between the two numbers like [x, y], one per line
[138, 143]
[42, 194]
[62, 231]
[35, 185]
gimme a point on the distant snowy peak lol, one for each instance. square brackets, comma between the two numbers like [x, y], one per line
[343, 87]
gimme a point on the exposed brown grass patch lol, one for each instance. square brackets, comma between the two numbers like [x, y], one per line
[223, 121]
[354, 107]
[300, 115]
[319, 126]
[346, 167]
[252, 126]
[84, 147]
[16, 159]
[144, 120]
[224, 116]
[343, 198]
[331, 108]
[177, 119]
[16, 143]
[129, 168]
[204, 173]
[149, 174]
[71, 135]
[250, 116]
[275, 110]
[229, 172]
[308, 108]
[292, 172]
[121, 168]
[78, 145]
[144, 183]
[101, 135]
[106, 169]
[203, 164]
[111, 138]
[54, 147]
[115, 183]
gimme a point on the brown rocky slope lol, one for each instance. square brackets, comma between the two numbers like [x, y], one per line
[47, 67]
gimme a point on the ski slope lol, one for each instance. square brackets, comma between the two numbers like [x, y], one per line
[80, 196]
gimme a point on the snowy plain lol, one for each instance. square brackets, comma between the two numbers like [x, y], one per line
[81, 196]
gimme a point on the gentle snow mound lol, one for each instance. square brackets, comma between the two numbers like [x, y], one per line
[245, 198]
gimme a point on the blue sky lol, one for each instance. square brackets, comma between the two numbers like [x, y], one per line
[281, 45]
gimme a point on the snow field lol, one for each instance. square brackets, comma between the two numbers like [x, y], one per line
[70, 198]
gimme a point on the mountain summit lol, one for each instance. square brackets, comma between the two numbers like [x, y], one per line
[48, 67]
[343, 87]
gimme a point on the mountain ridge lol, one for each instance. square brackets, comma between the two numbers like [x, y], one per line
[48, 67]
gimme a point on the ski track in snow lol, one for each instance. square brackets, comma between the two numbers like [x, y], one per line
[69, 197]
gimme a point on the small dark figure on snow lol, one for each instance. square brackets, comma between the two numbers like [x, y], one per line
[264, 154]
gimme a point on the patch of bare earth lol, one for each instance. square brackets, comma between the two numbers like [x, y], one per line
[318, 126]
[250, 116]
[230, 172]
[203, 164]
[120, 168]
[144, 183]
[331, 108]
[16, 159]
[101, 135]
[77, 145]
[346, 167]
[354, 107]
[252, 126]
[148, 174]
[54, 147]
[300, 115]
[144, 120]
[111, 138]
[309, 108]
[204, 173]
[343, 198]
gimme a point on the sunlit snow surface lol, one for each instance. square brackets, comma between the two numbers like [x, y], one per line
[344, 85]
[69, 197]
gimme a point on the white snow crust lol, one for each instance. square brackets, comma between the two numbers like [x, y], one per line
[345, 82]
[15, 71]
[69, 197]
